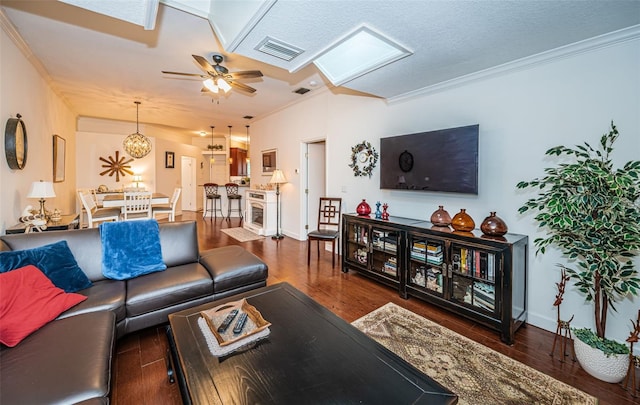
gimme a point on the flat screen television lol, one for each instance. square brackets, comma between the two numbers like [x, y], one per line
[444, 160]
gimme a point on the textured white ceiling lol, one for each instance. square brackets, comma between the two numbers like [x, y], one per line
[100, 65]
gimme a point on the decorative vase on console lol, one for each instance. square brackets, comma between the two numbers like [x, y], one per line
[363, 209]
[493, 225]
[463, 221]
[378, 212]
[385, 214]
[441, 217]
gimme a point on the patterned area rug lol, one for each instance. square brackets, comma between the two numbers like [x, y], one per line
[241, 234]
[477, 374]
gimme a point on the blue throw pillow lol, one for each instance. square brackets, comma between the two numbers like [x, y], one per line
[55, 260]
[130, 249]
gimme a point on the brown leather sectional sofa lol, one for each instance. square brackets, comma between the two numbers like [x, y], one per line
[69, 359]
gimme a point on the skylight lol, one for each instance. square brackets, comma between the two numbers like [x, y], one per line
[358, 53]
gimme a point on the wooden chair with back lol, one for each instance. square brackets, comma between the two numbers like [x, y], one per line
[329, 213]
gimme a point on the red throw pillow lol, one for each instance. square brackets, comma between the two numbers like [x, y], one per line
[28, 301]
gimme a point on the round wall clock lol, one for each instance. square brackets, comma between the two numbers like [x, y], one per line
[15, 143]
[405, 160]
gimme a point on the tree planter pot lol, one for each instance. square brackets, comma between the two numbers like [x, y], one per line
[611, 369]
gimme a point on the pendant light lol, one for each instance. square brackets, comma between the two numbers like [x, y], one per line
[137, 145]
[212, 160]
[247, 143]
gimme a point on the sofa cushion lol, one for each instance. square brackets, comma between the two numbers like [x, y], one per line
[173, 286]
[104, 295]
[55, 260]
[179, 241]
[65, 362]
[28, 301]
[130, 249]
[232, 267]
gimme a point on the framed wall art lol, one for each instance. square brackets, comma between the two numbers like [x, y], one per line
[59, 147]
[269, 161]
[169, 160]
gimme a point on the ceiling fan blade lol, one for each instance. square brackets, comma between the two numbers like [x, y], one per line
[186, 74]
[204, 64]
[242, 86]
[247, 74]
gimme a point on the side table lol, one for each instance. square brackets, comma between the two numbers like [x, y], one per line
[66, 222]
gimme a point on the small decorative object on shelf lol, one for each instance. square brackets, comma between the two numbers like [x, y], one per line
[363, 159]
[378, 212]
[56, 215]
[441, 217]
[385, 214]
[463, 221]
[493, 225]
[363, 209]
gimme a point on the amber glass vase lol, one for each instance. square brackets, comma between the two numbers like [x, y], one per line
[463, 221]
[440, 217]
[493, 225]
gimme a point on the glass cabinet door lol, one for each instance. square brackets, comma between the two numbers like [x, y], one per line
[384, 251]
[473, 277]
[427, 265]
[358, 243]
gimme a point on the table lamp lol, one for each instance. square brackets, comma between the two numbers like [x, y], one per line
[137, 179]
[278, 178]
[42, 190]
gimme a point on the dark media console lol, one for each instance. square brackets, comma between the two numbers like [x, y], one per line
[479, 277]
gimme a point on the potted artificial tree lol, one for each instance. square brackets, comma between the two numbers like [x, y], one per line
[591, 212]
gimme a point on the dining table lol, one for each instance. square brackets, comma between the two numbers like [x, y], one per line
[117, 200]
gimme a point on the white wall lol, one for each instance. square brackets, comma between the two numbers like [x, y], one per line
[521, 114]
[24, 91]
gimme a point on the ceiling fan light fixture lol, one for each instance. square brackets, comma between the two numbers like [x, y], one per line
[223, 85]
[137, 145]
[210, 85]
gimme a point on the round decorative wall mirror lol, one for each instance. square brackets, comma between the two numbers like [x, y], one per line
[15, 143]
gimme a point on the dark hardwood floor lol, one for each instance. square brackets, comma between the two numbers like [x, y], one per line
[139, 373]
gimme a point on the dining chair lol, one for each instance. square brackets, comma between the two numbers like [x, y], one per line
[168, 209]
[95, 214]
[137, 205]
[233, 195]
[211, 192]
[328, 227]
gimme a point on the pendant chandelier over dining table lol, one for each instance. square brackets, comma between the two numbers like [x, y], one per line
[137, 145]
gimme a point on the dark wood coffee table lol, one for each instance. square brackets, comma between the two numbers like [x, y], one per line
[311, 356]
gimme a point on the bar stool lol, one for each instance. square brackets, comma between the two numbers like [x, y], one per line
[211, 192]
[232, 195]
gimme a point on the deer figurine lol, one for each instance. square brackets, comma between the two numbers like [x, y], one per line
[634, 361]
[563, 328]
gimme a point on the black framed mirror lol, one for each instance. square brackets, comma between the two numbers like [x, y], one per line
[15, 143]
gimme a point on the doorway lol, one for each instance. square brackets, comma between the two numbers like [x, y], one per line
[315, 179]
[188, 181]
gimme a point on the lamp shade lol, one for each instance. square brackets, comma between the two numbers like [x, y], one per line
[278, 177]
[41, 189]
[137, 177]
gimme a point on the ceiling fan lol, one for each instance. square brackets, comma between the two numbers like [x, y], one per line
[218, 77]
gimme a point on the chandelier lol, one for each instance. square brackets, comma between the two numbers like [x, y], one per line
[137, 145]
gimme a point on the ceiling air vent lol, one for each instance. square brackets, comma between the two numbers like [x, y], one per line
[301, 90]
[278, 49]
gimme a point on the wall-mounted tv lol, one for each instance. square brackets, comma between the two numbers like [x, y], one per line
[443, 160]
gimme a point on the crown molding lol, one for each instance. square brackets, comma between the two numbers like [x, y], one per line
[16, 38]
[587, 45]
